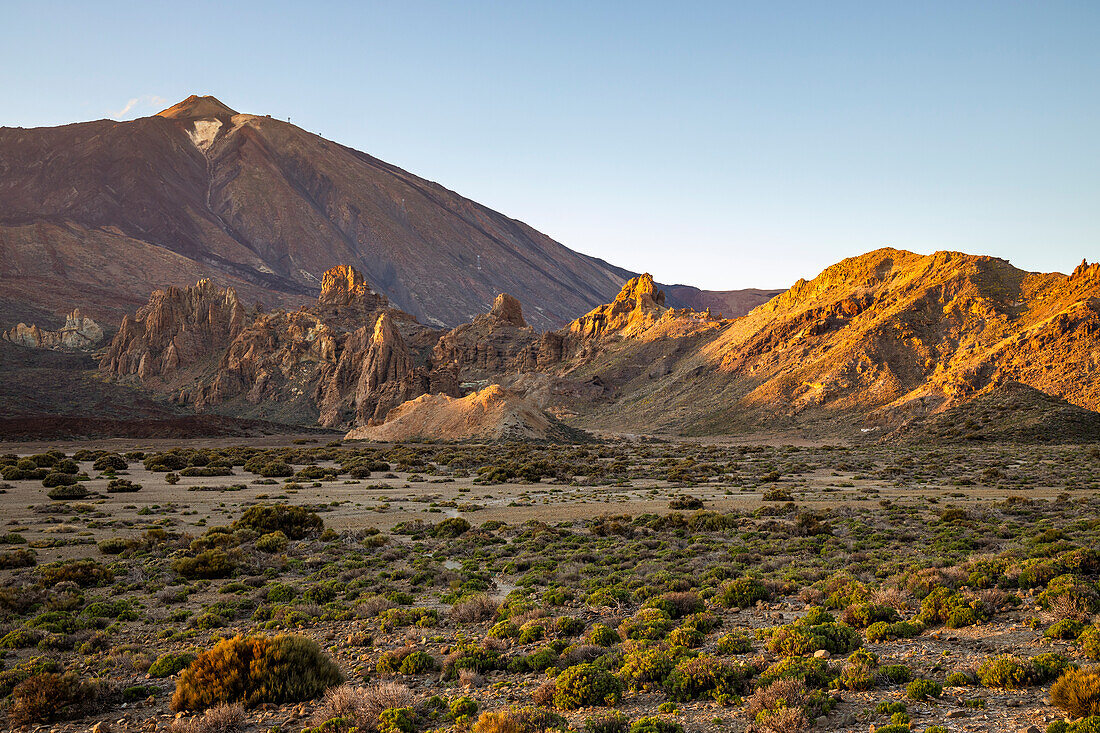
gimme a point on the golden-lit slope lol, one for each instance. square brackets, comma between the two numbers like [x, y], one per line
[875, 340]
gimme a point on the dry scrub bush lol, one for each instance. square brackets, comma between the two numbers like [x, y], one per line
[1077, 692]
[50, 696]
[362, 706]
[475, 609]
[220, 719]
[255, 670]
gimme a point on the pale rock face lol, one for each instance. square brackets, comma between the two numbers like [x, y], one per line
[79, 332]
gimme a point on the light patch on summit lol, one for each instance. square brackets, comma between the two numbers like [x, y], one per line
[203, 133]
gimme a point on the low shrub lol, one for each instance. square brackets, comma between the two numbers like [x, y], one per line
[923, 689]
[85, 573]
[816, 630]
[602, 635]
[68, 492]
[707, 677]
[122, 486]
[294, 521]
[742, 593]
[51, 696]
[170, 663]
[21, 558]
[213, 563]
[654, 724]
[1004, 671]
[610, 722]
[862, 615]
[1077, 692]
[585, 685]
[254, 670]
[647, 623]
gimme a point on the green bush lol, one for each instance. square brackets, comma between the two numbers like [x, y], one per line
[654, 724]
[255, 670]
[923, 689]
[397, 720]
[451, 528]
[947, 606]
[584, 685]
[170, 663]
[418, 663]
[644, 669]
[58, 479]
[294, 521]
[85, 573]
[602, 635]
[735, 643]
[742, 593]
[813, 672]
[707, 677]
[122, 486]
[1089, 642]
[214, 563]
[1072, 588]
[859, 671]
[1067, 628]
[1005, 671]
[21, 558]
[862, 615]
[1048, 666]
[272, 542]
[647, 623]
[882, 631]
[463, 708]
[816, 630]
[109, 462]
[1090, 724]
[68, 492]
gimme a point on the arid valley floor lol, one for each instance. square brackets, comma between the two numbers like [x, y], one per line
[643, 582]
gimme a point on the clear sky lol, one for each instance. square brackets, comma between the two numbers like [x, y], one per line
[722, 144]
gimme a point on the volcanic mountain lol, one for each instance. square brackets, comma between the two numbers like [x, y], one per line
[99, 214]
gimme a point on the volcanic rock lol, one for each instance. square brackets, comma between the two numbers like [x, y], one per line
[179, 328]
[495, 342]
[79, 332]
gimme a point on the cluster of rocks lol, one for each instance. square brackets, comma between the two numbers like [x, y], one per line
[79, 333]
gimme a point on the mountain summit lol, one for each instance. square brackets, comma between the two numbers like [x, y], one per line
[197, 108]
[98, 215]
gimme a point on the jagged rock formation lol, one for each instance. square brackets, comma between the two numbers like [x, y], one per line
[79, 332]
[374, 374]
[637, 306]
[884, 340]
[495, 342]
[494, 413]
[341, 361]
[180, 328]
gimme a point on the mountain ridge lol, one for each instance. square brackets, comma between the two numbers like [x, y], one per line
[201, 191]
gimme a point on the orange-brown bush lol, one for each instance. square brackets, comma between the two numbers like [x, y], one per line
[255, 670]
[1078, 692]
[51, 696]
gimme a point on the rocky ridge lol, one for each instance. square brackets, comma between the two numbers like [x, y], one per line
[880, 341]
[78, 332]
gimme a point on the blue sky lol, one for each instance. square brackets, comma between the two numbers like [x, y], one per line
[722, 144]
